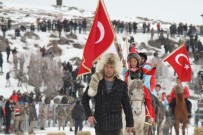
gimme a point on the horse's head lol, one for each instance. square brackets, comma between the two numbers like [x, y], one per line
[136, 94]
[179, 89]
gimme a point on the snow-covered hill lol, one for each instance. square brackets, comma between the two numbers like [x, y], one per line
[26, 13]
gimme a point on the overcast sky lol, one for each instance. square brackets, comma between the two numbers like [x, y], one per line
[167, 10]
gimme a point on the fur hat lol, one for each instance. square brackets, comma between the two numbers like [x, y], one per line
[143, 55]
[133, 54]
[110, 59]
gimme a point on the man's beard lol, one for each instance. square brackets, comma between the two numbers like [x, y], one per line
[108, 75]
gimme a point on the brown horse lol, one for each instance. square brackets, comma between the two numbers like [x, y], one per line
[180, 113]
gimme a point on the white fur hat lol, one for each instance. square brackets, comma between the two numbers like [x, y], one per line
[111, 59]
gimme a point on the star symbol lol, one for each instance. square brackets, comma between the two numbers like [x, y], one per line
[187, 67]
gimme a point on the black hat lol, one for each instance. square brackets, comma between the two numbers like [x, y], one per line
[143, 55]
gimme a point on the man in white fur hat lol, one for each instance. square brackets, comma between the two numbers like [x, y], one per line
[110, 95]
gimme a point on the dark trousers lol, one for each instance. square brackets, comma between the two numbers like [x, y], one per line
[8, 123]
[111, 132]
[78, 124]
[8, 57]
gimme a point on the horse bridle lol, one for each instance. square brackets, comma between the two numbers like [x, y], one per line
[142, 100]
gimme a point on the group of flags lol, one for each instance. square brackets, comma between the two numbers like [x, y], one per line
[102, 35]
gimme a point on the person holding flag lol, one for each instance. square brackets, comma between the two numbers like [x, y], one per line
[110, 95]
[99, 40]
[108, 91]
[172, 99]
[179, 60]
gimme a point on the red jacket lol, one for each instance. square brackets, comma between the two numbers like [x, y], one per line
[14, 97]
[173, 95]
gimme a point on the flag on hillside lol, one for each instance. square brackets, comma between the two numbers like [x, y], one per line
[100, 38]
[179, 60]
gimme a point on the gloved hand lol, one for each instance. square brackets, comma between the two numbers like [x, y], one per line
[150, 120]
[93, 85]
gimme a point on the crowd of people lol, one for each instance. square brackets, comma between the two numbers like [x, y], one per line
[109, 95]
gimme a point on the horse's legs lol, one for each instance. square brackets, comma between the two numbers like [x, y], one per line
[150, 130]
[177, 124]
[183, 128]
[140, 132]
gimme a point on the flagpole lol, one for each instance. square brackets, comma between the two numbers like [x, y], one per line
[126, 41]
[110, 24]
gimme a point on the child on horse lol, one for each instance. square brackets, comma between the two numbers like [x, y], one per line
[137, 72]
[172, 99]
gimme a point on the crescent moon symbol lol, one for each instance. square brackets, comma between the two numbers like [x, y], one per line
[180, 55]
[102, 32]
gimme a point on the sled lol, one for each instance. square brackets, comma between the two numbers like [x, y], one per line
[198, 131]
[83, 133]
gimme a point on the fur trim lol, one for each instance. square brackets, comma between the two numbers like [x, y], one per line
[93, 85]
[103, 61]
[92, 92]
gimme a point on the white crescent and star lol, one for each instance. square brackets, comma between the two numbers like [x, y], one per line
[102, 32]
[177, 60]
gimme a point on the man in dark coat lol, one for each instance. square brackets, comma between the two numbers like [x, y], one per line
[8, 50]
[8, 109]
[110, 96]
[78, 116]
[1, 61]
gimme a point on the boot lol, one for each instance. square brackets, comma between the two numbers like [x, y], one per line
[71, 129]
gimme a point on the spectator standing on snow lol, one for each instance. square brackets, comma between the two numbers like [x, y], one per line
[1, 61]
[8, 51]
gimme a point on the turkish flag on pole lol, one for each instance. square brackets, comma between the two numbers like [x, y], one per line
[100, 38]
[179, 60]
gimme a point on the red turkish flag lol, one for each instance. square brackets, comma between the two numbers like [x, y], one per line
[100, 38]
[179, 60]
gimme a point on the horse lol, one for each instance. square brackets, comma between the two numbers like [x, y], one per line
[161, 116]
[180, 113]
[136, 94]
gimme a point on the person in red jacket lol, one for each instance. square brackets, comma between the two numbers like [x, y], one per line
[172, 99]
[14, 97]
[137, 72]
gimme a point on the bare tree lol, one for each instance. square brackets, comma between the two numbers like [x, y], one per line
[15, 62]
[35, 71]
[53, 77]
[22, 62]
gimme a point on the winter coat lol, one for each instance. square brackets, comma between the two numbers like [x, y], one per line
[61, 113]
[14, 97]
[108, 106]
[78, 112]
[173, 95]
[32, 113]
[8, 50]
[7, 76]
[22, 113]
[1, 60]
[149, 76]
[1, 113]
[43, 111]
[8, 109]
